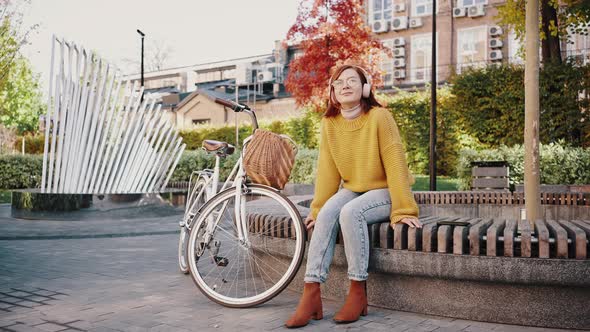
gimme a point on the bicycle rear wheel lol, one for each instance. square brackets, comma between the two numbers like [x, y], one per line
[235, 274]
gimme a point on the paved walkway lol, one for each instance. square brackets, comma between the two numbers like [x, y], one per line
[121, 275]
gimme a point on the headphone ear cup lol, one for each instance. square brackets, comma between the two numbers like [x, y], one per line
[366, 90]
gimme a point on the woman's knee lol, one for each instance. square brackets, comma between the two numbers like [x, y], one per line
[349, 215]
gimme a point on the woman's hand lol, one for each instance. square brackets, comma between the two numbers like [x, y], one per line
[412, 222]
[309, 222]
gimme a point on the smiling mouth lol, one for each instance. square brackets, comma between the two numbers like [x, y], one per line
[346, 93]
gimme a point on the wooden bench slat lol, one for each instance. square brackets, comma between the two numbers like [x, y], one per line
[492, 235]
[400, 236]
[525, 238]
[475, 233]
[509, 235]
[560, 236]
[578, 236]
[586, 228]
[543, 238]
[499, 183]
[489, 171]
[460, 236]
[385, 236]
[415, 234]
[444, 239]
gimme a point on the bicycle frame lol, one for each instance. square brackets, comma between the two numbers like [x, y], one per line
[238, 175]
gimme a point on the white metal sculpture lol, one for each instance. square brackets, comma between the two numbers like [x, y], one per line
[99, 137]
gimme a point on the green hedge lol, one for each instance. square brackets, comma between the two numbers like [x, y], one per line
[559, 164]
[303, 130]
[489, 104]
[303, 170]
[20, 171]
[411, 111]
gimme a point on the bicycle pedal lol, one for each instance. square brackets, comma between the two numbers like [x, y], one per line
[220, 261]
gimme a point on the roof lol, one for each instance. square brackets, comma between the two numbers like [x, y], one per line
[201, 66]
[209, 89]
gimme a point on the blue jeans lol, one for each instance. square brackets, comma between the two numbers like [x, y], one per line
[352, 212]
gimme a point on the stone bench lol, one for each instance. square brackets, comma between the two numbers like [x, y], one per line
[494, 270]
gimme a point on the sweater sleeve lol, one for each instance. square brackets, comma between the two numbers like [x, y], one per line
[399, 178]
[328, 178]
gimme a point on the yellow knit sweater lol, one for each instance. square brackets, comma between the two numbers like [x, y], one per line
[365, 153]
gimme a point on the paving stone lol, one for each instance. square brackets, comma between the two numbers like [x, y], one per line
[133, 284]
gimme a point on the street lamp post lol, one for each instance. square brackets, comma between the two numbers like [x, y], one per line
[433, 104]
[142, 37]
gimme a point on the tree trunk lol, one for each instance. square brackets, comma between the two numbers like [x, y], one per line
[531, 128]
[550, 46]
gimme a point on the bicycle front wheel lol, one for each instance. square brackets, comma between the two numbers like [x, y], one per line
[237, 274]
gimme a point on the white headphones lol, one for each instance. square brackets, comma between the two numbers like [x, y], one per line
[366, 86]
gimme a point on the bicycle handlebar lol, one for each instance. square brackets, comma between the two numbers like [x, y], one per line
[239, 108]
[233, 105]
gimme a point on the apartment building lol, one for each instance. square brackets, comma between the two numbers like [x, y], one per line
[187, 94]
[467, 35]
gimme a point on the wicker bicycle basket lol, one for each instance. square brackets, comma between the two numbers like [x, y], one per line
[269, 158]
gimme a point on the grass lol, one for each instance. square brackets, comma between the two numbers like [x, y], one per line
[4, 196]
[443, 183]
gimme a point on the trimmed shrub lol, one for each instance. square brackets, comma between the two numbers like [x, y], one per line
[20, 171]
[559, 164]
[303, 170]
[489, 103]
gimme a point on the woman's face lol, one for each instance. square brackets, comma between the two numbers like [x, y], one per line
[348, 89]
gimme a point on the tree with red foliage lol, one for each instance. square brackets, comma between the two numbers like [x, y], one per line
[329, 33]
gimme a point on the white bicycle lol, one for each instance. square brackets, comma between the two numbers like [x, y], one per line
[244, 244]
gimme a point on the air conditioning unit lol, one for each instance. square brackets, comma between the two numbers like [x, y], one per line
[415, 22]
[495, 43]
[244, 73]
[399, 74]
[399, 7]
[399, 41]
[399, 23]
[399, 52]
[380, 26]
[399, 62]
[495, 31]
[264, 76]
[475, 11]
[496, 55]
[459, 11]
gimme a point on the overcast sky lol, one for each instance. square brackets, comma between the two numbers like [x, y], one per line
[197, 31]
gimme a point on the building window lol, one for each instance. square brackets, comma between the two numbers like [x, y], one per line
[514, 45]
[472, 47]
[423, 7]
[421, 57]
[386, 64]
[197, 122]
[381, 10]
[466, 3]
[578, 48]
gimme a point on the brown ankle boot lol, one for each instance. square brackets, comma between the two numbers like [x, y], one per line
[310, 306]
[355, 305]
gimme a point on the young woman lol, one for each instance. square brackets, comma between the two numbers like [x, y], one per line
[360, 145]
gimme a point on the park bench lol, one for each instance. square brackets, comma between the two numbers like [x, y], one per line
[490, 176]
[493, 269]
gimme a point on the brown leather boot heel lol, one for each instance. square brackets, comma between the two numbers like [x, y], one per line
[356, 303]
[309, 307]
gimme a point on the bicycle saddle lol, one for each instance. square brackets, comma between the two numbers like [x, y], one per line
[212, 146]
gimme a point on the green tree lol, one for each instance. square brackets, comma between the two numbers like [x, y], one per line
[20, 98]
[557, 17]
